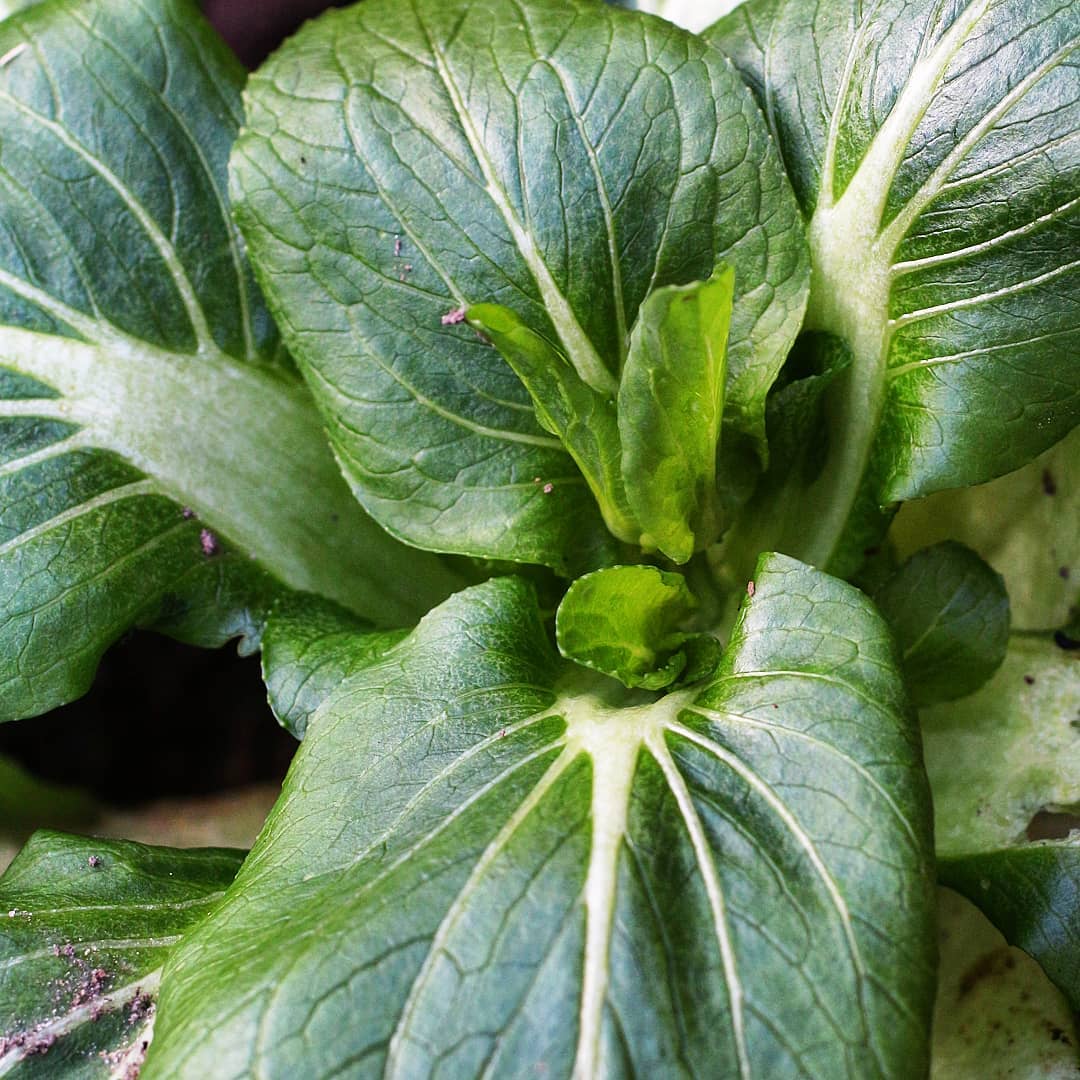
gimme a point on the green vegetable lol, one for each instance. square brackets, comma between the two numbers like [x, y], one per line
[404, 133]
[932, 151]
[549, 872]
[643, 344]
[86, 926]
[160, 462]
[950, 614]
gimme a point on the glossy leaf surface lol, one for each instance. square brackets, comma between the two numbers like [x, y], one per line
[482, 862]
[146, 408]
[950, 614]
[560, 158]
[1031, 894]
[85, 927]
[935, 150]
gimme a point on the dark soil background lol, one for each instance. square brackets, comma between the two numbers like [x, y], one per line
[165, 719]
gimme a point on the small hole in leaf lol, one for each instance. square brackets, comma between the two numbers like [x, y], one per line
[1052, 825]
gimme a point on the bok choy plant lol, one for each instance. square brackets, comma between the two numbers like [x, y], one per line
[536, 385]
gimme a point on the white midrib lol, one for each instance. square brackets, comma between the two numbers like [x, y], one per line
[212, 435]
[579, 349]
[613, 737]
[849, 291]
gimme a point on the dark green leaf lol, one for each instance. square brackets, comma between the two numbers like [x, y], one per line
[557, 157]
[308, 648]
[629, 622]
[950, 614]
[933, 149]
[671, 404]
[1031, 894]
[484, 861]
[85, 926]
[159, 460]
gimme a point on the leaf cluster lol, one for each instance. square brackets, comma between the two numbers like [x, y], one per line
[536, 385]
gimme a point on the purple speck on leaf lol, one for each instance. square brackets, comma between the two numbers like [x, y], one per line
[548, 489]
[749, 588]
[454, 318]
[209, 543]
[94, 861]
[397, 247]
[187, 513]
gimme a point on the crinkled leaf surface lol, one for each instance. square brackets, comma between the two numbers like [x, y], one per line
[402, 162]
[935, 149]
[629, 622]
[582, 418]
[309, 646]
[1025, 525]
[140, 376]
[1031, 894]
[671, 406]
[950, 614]
[997, 1016]
[482, 864]
[85, 926]
[999, 756]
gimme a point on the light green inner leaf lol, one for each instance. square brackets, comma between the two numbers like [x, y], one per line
[629, 622]
[582, 417]
[671, 405]
[648, 455]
